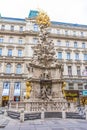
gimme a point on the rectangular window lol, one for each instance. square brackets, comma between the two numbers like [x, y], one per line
[85, 56]
[17, 85]
[19, 53]
[20, 41]
[78, 71]
[3, 27]
[85, 86]
[12, 28]
[9, 52]
[76, 56]
[1, 39]
[80, 86]
[70, 70]
[6, 85]
[74, 33]
[0, 51]
[82, 34]
[21, 29]
[35, 40]
[71, 86]
[59, 55]
[58, 43]
[58, 31]
[68, 56]
[11, 40]
[35, 27]
[75, 45]
[66, 32]
[18, 69]
[67, 43]
[83, 45]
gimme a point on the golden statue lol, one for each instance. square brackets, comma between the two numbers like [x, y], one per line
[63, 88]
[43, 19]
[28, 89]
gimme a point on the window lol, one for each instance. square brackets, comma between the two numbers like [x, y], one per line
[18, 69]
[0, 51]
[20, 41]
[12, 28]
[8, 68]
[83, 45]
[9, 52]
[21, 29]
[75, 45]
[59, 55]
[11, 40]
[35, 27]
[68, 56]
[67, 43]
[58, 31]
[80, 86]
[35, 40]
[1, 39]
[76, 56]
[6, 85]
[78, 71]
[19, 53]
[58, 43]
[17, 85]
[69, 70]
[85, 86]
[3, 27]
[66, 32]
[71, 86]
[85, 56]
[82, 34]
[74, 33]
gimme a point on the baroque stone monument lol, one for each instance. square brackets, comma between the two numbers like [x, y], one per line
[45, 72]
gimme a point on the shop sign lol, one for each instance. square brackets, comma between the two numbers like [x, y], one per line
[85, 93]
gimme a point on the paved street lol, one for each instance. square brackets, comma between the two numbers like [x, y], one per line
[47, 124]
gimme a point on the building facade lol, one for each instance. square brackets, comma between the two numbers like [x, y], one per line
[17, 36]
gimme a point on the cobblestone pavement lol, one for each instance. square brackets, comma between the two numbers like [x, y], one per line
[46, 124]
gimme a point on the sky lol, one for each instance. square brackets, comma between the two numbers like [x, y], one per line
[68, 11]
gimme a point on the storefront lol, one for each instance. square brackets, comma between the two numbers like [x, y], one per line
[17, 92]
[5, 94]
[72, 95]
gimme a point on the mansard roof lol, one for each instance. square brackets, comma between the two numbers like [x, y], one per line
[34, 13]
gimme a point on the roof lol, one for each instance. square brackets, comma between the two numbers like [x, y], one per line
[68, 24]
[33, 13]
[12, 19]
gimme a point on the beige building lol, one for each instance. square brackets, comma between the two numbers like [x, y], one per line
[17, 36]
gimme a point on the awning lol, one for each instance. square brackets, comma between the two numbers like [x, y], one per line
[5, 92]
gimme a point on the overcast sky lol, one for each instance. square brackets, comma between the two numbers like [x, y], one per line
[69, 11]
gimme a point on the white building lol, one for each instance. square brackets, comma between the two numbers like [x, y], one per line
[17, 36]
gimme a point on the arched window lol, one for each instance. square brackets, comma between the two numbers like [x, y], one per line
[8, 68]
[18, 69]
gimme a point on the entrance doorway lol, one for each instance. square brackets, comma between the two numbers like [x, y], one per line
[16, 98]
[5, 100]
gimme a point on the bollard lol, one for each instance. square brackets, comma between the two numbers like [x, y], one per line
[86, 115]
[5, 111]
[63, 114]
[22, 116]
